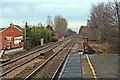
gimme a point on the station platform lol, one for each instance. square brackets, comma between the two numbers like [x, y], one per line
[72, 69]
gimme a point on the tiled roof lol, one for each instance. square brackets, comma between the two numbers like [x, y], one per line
[19, 27]
[1, 29]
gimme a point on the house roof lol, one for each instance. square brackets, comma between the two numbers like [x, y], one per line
[1, 29]
[16, 26]
[19, 27]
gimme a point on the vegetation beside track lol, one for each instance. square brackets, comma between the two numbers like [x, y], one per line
[101, 48]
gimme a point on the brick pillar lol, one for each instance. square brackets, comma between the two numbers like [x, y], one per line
[12, 40]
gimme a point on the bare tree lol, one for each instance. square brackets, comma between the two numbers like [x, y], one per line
[98, 16]
[117, 4]
[103, 20]
[49, 20]
[60, 26]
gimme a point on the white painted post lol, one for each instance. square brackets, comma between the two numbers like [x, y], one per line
[1, 53]
[42, 42]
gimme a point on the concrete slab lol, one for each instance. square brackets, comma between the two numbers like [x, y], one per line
[72, 71]
[72, 68]
[71, 75]
[74, 64]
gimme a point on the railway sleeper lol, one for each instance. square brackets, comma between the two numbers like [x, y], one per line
[46, 53]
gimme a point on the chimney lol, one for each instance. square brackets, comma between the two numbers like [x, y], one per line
[11, 24]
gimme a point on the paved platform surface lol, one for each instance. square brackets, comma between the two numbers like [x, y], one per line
[105, 65]
[13, 50]
[86, 68]
[72, 69]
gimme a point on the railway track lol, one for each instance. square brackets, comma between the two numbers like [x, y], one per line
[16, 63]
[16, 54]
[24, 52]
[59, 68]
[29, 70]
[27, 54]
[51, 66]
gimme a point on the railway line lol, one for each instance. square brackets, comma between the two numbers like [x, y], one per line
[48, 69]
[20, 61]
[16, 54]
[24, 53]
[29, 70]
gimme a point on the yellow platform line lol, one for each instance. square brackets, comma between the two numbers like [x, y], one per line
[91, 67]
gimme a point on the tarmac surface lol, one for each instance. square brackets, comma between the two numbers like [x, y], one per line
[105, 65]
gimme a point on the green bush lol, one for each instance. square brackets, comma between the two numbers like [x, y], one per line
[37, 33]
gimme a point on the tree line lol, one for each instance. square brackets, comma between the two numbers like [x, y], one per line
[52, 32]
[104, 21]
[103, 24]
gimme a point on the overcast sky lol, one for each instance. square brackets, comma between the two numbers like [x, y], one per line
[33, 11]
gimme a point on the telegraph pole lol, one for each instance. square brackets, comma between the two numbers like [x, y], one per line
[25, 34]
[118, 14]
[25, 29]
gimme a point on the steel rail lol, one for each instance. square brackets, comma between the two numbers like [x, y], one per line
[28, 54]
[55, 75]
[42, 65]
[22, 64]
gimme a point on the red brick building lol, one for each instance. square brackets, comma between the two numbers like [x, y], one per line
[11, 36]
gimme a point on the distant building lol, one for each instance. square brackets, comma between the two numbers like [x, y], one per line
[11, 37]
[87, 32]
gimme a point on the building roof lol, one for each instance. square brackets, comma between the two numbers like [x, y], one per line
[19, 27]
[16, 26]
[86, 31]
[1, 29]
